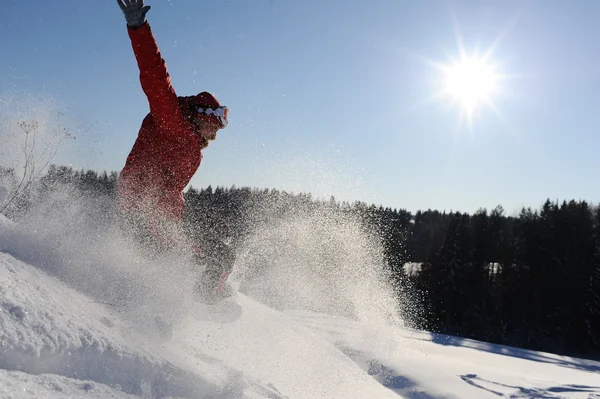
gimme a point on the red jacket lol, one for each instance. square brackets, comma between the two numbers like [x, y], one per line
[167, 152]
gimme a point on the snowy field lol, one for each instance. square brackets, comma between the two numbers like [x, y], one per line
[59, 339]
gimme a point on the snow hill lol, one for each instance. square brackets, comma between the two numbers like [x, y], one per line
[61, 336]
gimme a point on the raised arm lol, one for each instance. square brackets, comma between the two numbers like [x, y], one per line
[154, 76]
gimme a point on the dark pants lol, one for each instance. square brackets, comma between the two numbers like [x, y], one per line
[218, 259]
[213, 256]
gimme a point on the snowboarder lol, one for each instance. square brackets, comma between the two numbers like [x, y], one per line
[165, 156]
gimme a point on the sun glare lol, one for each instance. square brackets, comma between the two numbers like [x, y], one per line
[470, 82]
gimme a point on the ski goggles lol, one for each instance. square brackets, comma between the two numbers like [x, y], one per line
[219, 113]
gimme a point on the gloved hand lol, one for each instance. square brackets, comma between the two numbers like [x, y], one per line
[135, 12]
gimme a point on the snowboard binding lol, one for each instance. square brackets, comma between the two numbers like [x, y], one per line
[218, 260]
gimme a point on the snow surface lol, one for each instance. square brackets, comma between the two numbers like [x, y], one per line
[3, 193]
[60, 339]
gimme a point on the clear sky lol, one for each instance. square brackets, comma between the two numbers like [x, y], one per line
[338, 97]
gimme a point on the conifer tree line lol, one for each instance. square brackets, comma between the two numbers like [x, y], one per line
[530, 280]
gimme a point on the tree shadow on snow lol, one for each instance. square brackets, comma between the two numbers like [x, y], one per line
[542, 357]
[537, 393]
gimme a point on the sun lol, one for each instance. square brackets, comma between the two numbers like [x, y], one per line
[471, 82]
[474, 81]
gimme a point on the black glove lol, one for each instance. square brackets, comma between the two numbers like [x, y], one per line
[135, 12]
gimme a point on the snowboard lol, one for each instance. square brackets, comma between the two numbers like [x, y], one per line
[161, 326]
[226, 311]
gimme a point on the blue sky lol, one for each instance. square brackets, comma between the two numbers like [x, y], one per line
[329, 97]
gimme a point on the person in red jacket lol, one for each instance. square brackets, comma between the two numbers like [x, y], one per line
[165, 156]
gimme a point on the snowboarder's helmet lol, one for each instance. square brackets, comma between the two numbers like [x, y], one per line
[210, 109]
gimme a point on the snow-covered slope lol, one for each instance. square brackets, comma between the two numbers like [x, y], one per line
[56, 342]
[78, 306]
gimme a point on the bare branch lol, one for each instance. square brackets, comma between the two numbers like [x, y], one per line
[32, 157]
